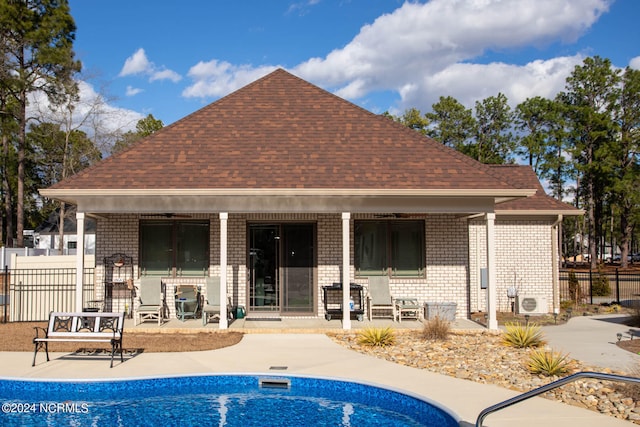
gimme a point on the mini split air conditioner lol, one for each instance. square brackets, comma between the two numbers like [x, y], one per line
[532, 304]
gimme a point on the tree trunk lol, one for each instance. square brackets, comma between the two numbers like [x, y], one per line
[6, 190]
[626, 232]
[21, 161]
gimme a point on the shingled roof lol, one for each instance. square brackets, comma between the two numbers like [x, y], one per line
[524, 177]
[282, 132]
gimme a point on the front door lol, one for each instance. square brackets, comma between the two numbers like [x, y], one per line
[281, 268]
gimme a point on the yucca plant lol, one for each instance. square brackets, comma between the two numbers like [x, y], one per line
[548, 362]
[522, 336]
[436, 329]
[377, 337]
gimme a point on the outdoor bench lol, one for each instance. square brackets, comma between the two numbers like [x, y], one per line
[81, 327]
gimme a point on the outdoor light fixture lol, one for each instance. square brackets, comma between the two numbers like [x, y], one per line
[526, 319]
[555, 318]
[619, 335]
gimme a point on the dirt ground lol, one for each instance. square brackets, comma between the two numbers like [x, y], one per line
[18, 336]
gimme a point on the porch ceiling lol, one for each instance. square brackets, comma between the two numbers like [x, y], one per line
[286, 201]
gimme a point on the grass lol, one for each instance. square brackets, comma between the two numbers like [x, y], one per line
[436, 329]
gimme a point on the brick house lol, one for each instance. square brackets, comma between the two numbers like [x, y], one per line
[281, 188]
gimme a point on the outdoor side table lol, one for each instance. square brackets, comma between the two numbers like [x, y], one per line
[183, 308]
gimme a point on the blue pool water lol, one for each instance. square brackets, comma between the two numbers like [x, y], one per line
[212, 400]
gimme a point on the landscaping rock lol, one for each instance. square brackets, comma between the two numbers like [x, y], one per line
[482, 357]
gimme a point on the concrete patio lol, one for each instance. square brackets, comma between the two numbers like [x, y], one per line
[314, 354]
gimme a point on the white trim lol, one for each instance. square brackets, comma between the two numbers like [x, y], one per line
[492, 299]
[224, 322]
[346, 270]
[438, 192]
[79, 260]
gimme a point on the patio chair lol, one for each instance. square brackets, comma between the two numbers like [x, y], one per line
[211, 308]
[187, 301]
[408, 308]
[380, 301]
[151, 300]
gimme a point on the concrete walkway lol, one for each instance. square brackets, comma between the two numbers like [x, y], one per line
[592, 340]
[316, 355]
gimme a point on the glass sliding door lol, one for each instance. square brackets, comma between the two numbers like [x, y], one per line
[281, 268]
[264, 257]
[298, 261]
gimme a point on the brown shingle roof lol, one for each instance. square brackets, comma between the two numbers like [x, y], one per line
[524, 177]
[283, 132]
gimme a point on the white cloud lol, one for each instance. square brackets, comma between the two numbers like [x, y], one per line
[92, 113]
[218, 78]
[138, 63]
[165, 75]
[133, 91]
[469, 83]
[423, 39]
[635, 63]
[421, 51]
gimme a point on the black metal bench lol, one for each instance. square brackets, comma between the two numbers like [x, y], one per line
[81, 327]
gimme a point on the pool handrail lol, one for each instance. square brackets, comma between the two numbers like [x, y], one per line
[555, 384]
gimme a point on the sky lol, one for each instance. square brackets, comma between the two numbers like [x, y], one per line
[170, 58]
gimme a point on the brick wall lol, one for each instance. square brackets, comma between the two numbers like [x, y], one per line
[455, 251]
[523, 256]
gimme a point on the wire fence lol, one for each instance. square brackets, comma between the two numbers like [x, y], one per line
[31, 294]
[595, 287]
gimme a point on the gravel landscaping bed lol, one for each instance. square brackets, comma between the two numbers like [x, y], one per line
[481, 357]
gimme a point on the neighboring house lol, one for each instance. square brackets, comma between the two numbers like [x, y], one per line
[281, 188]
[47, 235]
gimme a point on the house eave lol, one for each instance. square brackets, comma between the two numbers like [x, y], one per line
[284, 200]
[539, 212]
[124, 192]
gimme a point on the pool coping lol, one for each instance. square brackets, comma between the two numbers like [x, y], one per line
[314, 355]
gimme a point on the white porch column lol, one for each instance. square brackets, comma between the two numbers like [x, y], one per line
[79, 260]
[224, 321]
[492, 321]
[346, 270]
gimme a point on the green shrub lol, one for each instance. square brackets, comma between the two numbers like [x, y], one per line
[548, 362]
[600, 285]
[377, 337]
[564, 304]
[436, 329]
[522, 336]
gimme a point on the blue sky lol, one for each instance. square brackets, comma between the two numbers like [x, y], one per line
[170, 58]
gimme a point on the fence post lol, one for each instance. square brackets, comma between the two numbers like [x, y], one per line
[590, 286]
[6, 292]
[617, 286]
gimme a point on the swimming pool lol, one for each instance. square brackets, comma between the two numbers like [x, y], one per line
[213, 400]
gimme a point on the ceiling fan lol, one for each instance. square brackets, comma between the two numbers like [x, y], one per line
[165, 215]
[394, 215]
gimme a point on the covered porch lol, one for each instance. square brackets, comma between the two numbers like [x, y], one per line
[230, 245]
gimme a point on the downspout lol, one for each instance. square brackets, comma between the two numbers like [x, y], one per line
[555, 254]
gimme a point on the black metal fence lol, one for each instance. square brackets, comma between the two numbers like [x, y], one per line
[622, 287]
[31, 294]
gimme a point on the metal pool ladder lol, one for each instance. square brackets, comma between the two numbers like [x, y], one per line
[551, 386]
